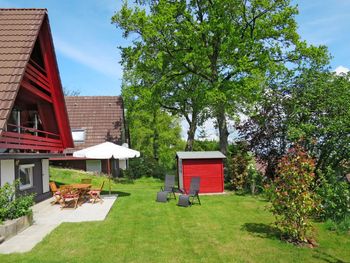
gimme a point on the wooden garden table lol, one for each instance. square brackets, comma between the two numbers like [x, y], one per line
[83, 189]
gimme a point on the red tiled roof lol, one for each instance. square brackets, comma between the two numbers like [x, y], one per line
[102, 117]
[19, 29]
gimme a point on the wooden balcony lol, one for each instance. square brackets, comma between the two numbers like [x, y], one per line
[30, 139]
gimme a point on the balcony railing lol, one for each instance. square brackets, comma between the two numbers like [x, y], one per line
[26, 138]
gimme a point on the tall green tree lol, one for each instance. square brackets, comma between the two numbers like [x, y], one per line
[153, 131]
[313, 108]
[231, 45]
[186, 97]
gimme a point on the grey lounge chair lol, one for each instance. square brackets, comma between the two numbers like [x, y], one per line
[167, 190]
[188, 198]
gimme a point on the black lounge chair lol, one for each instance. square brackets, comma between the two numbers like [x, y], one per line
[168, 189]
[188, 198]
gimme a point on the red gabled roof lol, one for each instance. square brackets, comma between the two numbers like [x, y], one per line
[19, 31]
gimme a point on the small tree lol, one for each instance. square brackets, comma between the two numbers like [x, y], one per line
[292, 199]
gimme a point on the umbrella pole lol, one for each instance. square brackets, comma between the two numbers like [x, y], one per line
[109, 174]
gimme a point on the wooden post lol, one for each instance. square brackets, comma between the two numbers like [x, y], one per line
[109, 174]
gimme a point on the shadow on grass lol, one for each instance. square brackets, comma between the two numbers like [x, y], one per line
[322, 256]
[122, 180]
[119, 193]
[104, 192]
[262, 230]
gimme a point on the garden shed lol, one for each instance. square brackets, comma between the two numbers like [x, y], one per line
[207, 165]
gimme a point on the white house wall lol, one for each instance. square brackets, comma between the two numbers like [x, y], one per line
[7, 171]
[45, 174]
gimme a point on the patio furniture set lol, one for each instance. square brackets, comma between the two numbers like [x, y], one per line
[75, 194]
[185, 198]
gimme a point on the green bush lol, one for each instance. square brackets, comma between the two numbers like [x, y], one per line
[144, 167]
[237, 166]
[334, 194]
[340, 227]
[293, 202]
[255, 180]
[13, 205]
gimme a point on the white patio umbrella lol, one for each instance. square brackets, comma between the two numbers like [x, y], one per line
[107, 150]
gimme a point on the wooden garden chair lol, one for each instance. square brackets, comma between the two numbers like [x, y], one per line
[95, 194]
[55, 193]
[68, 196]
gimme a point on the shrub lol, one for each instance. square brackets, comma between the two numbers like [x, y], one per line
[293, 201]
[238, 166]
[340, 227]
[143, 166]
[12, 205]
[255, 180]
[335, 197]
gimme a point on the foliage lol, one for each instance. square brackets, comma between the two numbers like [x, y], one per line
[293, 201]
[266, 129]
[239, 167]
[206, 145]
[153, 132]
[320, 114]
[255, 179]
[307, 107]
[340, 227]
[13, 205]
[144, 167]
[334, 193]
[241, 171]
[230, 47]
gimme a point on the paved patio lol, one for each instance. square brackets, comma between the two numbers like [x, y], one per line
[47, 217]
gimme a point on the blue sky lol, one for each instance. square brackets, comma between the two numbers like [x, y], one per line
[86, 42]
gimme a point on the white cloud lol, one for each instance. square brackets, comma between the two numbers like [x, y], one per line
[99, 62]
[341, 70]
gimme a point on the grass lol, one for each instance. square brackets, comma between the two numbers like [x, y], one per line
[226, 228]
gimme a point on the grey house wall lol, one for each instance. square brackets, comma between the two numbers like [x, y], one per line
[37, 178]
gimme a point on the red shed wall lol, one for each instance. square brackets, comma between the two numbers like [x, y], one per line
[209, 170]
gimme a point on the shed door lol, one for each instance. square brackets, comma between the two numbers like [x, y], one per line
[209, 170]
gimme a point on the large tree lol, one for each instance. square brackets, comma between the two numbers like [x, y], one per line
[186, 97]
[152, 130]
[312, 108]
[223, 42]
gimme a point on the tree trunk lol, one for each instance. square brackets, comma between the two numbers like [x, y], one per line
[192, 122]
[223, 132]
[155, 135]
[190, 136]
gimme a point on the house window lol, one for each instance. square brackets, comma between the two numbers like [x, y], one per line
[78, 135]
[26, 176]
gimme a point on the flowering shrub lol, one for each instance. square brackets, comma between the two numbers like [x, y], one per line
[293, 201]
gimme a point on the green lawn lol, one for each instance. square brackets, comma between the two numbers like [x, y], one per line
[226, 228]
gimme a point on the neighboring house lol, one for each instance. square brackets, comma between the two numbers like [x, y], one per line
[34, 123]
[94, 120]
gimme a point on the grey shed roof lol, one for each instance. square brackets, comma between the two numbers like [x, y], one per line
[200, 155]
